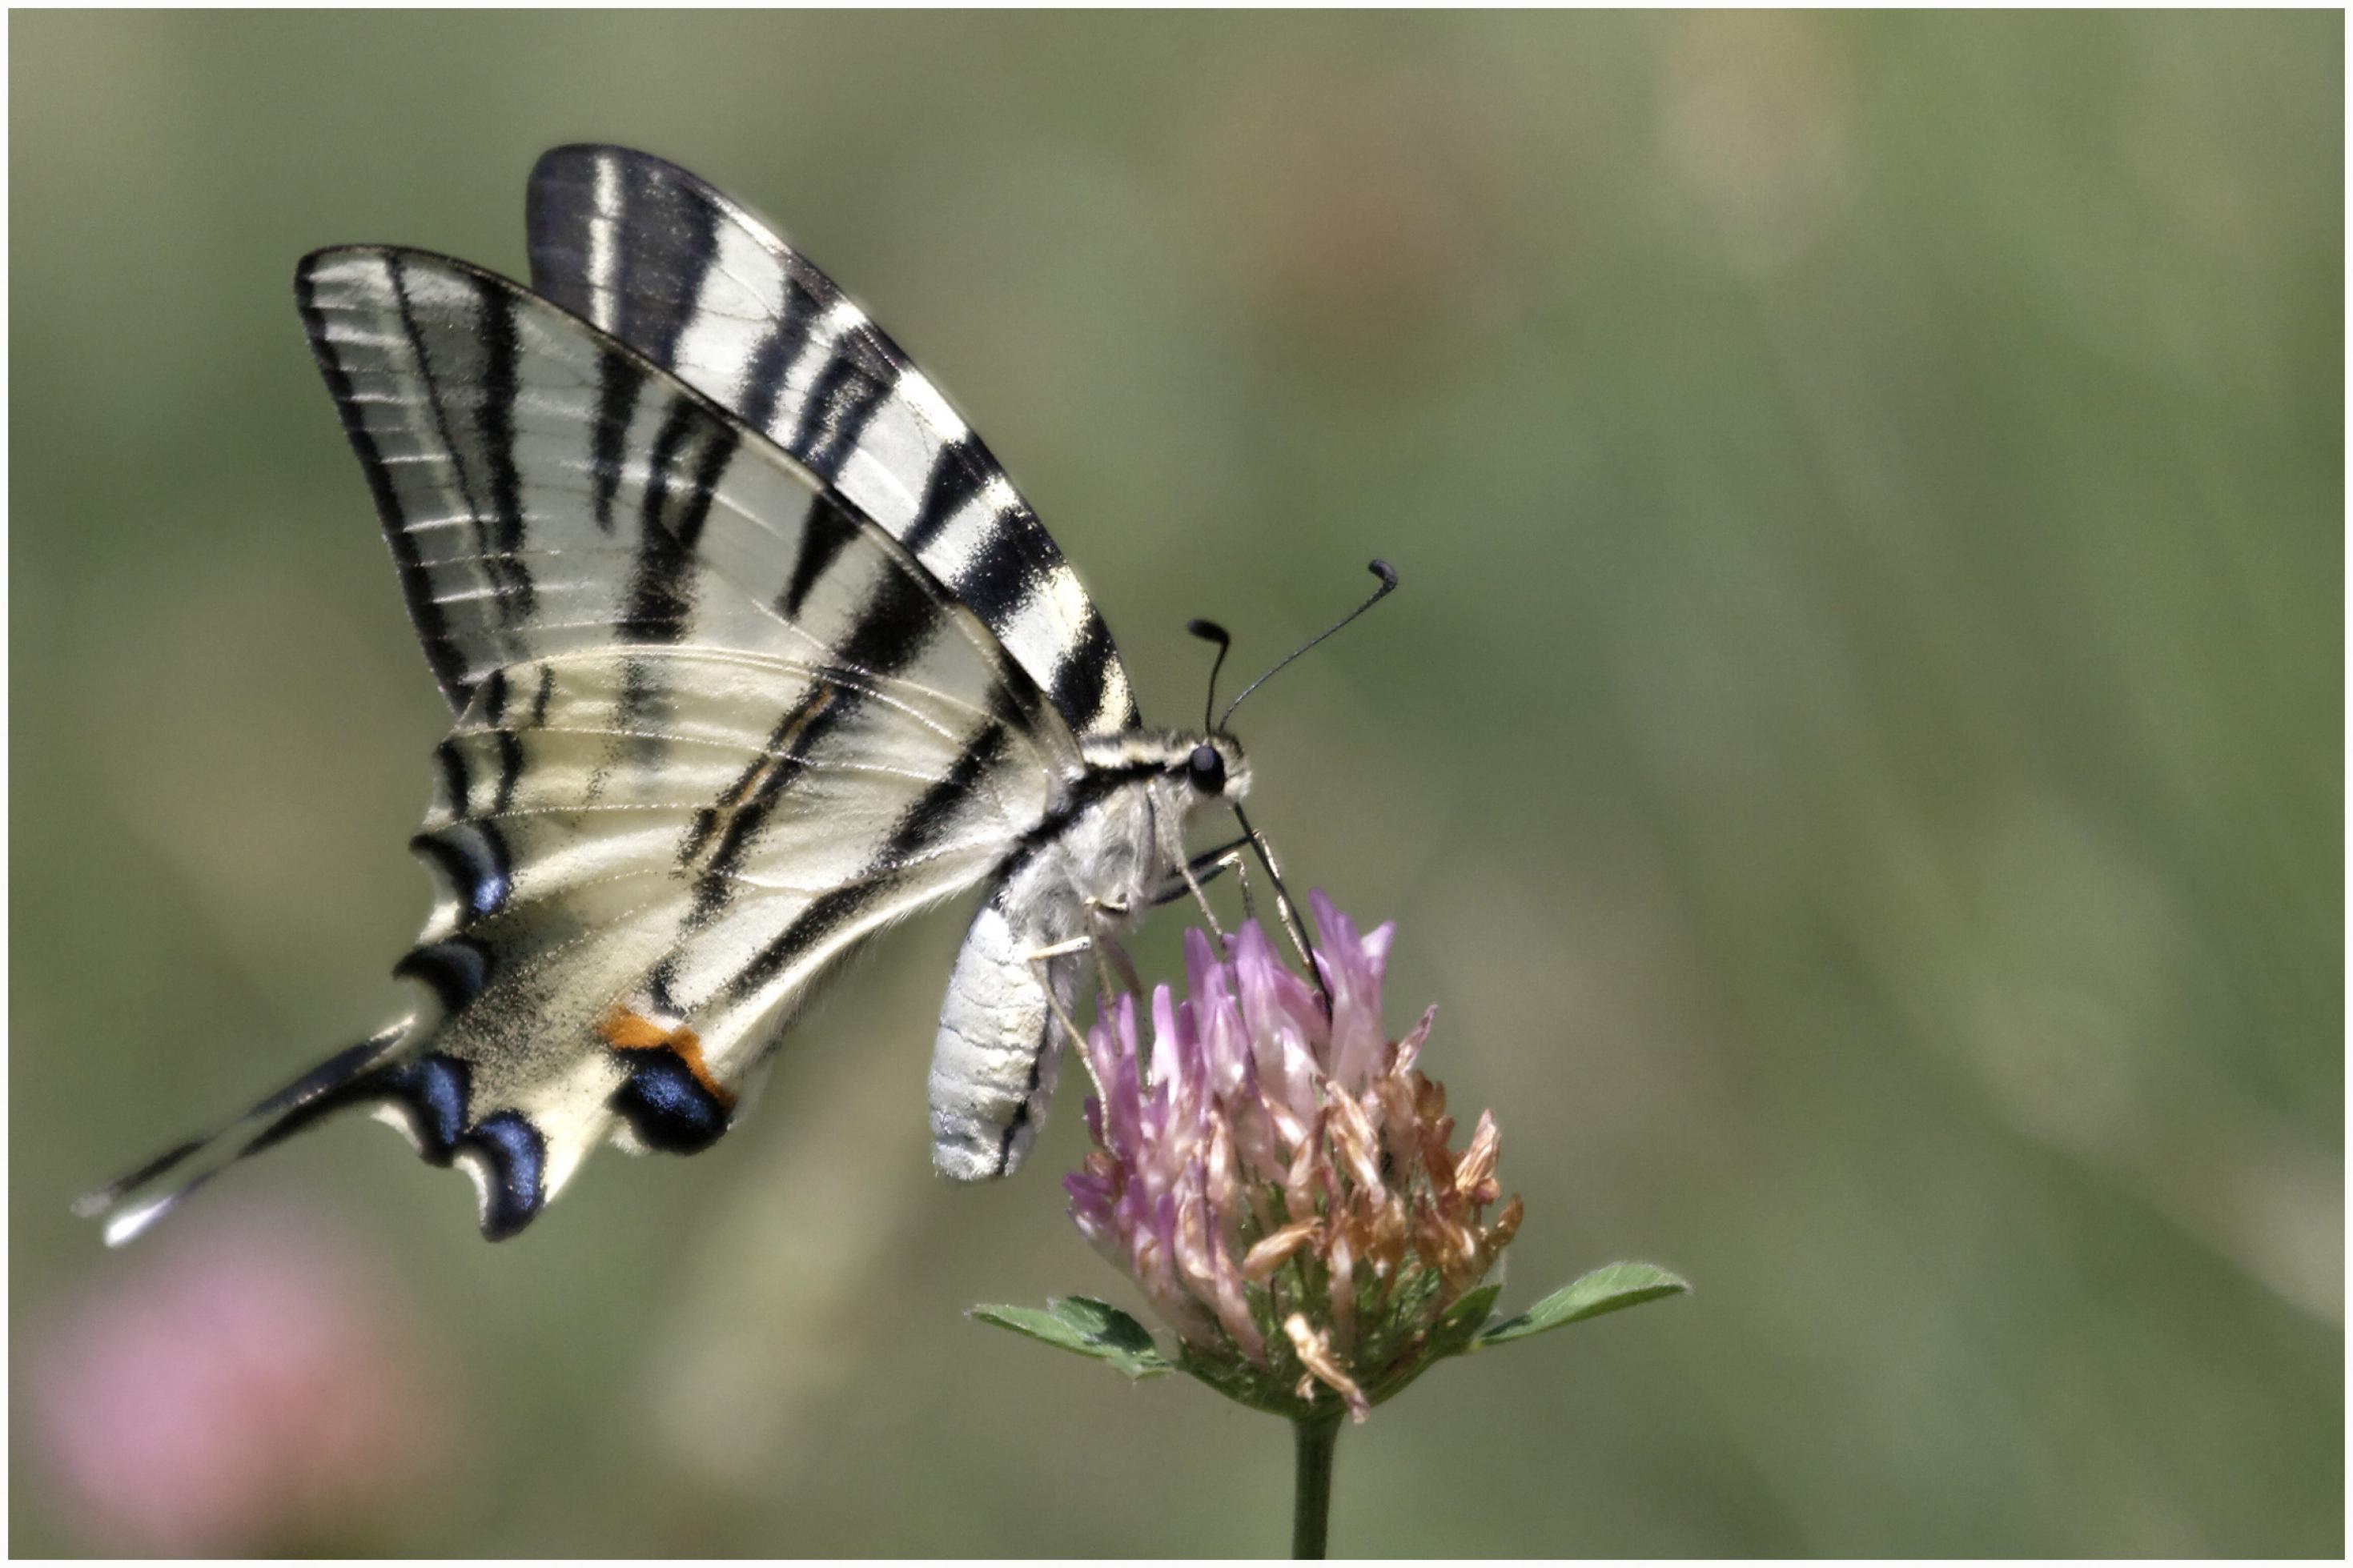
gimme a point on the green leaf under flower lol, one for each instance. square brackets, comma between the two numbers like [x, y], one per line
[1088, 1328]
[1606, 1290]
[1461, 1322]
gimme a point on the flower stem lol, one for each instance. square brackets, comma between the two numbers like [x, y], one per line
[1310, 1506]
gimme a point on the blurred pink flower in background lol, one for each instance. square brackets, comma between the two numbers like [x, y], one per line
[245, 1386]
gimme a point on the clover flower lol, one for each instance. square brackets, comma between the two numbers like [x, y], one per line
[1279, 1180]
[1278, 1176]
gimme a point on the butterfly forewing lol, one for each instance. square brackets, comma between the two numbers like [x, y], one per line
[544, 489]
[696, 283]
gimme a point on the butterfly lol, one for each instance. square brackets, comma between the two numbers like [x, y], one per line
[754, 650]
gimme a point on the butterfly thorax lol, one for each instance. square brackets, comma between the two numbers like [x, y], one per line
[1142, 788]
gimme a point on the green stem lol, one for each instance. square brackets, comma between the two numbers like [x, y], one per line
[1310, 1507]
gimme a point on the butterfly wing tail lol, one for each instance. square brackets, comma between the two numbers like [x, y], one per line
[359, 1074]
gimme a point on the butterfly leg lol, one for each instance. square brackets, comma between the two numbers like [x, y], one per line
[1036, 957]
[1172, 851]
[1231, 858]
[1108, 920]
[1206, 868]
[1060, 950]
[1110, 957]
[1283, 908]
[1208, 915]
[1038, 960]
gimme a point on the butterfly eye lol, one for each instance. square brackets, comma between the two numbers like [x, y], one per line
[1208, 769]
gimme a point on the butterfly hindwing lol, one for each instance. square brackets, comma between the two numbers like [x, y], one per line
[544, 487]
[632, 907]
[643, 908]
[697, 284]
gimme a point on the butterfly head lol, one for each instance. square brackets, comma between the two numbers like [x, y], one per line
[1215, 769]
[1190, 769]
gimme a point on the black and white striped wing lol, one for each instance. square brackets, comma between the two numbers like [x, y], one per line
[697, 284]
[632, 907]
[717, 726]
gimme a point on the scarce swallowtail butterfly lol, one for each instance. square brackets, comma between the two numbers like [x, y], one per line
[754, 650]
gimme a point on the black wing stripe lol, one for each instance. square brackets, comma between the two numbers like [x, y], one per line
[659, 602]
[493, 697]
[839, 405]
[501, 386]
[825, 533]
[922, 825]
[441, 651]
[927, 821]
[997, 583]
[825, 913]
[439, 399]
[897, 620]
[509, 765]
[728, 826]
[618, 383]
[699, 230]
[779, 349]
[1080, 679]
[451, 759]
[954, 480]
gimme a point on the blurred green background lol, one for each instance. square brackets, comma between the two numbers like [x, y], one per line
[1857, 758]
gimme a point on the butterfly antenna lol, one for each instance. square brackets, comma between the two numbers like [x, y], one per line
[1381, 569]
[1209, 631]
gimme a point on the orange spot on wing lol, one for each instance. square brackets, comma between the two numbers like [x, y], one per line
[628, 1031]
